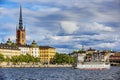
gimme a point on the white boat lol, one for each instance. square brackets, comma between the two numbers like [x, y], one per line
[93, 66]
[96, 60]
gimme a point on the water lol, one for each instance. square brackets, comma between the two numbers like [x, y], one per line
[58, 74]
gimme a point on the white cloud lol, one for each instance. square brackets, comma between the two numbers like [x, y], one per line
[61, 38]
[63, 50]
[69, 27]
[78, 46]
[106, 45]
[81, 17]
[45, 8]
[101, 27]
[95, 27]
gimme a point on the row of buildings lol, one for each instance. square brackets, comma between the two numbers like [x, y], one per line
[92, 55]
[9, 49]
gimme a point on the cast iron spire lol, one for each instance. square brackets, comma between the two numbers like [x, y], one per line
[20, 19]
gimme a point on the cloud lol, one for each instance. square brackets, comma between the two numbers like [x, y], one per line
[98, 27]
[65, 25]
[95, 28]
[69, 27]
[105, 45]
[63, 50]
[78, 46]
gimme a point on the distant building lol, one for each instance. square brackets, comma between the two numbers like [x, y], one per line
[115, 58]
[90, 50]
[47, 53]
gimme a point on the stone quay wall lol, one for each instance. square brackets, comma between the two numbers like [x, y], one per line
[28, 65]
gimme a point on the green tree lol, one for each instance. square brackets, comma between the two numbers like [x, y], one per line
[1, 58]
[63, 58]
[7, 59]
[15, 59]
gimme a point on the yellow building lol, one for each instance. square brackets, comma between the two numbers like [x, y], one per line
[9, 51]
[47, 54]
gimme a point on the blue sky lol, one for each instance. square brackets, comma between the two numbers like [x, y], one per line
[64, 24]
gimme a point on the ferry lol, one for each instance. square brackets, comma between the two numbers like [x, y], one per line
[92, 60]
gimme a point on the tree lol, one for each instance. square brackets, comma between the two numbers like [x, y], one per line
[63, 59]
[7, 59]
[15, 59]
[1, 58]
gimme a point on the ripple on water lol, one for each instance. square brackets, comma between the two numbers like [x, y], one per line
[58, 74]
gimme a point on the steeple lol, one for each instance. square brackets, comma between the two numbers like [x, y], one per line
[20, 19]
[20, 32]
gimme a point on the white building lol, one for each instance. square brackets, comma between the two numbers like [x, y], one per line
[32, 49]
[24, 49]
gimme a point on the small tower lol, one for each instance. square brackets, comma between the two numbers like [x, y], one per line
[20, 31]
[9, 42]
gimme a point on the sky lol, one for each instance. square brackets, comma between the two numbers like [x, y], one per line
[64, 24]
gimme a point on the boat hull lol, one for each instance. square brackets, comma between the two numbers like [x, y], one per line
[93, 66]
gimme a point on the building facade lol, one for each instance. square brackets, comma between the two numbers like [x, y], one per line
[24, 49]
[47, 54]
[9, 49]
[34, 49]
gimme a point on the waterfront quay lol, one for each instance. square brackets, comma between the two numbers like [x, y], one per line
[29, 65]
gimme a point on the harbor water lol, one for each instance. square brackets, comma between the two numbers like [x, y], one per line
[58, 74]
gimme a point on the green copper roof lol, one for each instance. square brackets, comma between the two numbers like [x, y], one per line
[9, 42]
[34, 44]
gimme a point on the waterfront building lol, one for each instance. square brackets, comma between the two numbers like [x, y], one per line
[9, 49]
[24, 49]
[34, 49]
[20, 31]
[47, 54]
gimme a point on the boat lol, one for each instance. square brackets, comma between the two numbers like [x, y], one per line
[92, 61]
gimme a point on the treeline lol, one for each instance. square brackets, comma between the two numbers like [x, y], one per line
[63, 59]
[19, 59]
[59, 58]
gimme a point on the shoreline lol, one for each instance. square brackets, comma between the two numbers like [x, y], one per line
[35, 66]
[29, 65]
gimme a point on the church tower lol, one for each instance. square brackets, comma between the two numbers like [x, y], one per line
[20, 31]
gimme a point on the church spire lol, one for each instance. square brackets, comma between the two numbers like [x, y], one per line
[20, 32]
[20, 19]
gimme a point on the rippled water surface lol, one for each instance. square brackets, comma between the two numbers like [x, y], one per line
[58, 74]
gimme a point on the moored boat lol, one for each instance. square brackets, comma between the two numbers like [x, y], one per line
[93, 61]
